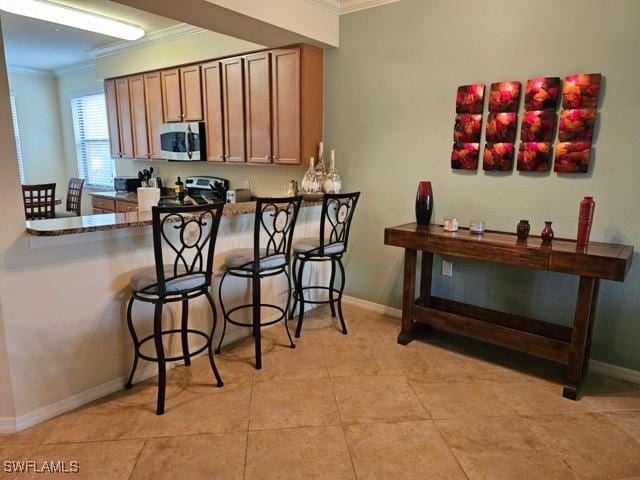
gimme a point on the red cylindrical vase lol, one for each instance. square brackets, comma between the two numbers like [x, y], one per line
[585, 219]
[424, 203]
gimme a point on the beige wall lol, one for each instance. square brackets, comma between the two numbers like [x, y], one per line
[389, 113]
[39, 126]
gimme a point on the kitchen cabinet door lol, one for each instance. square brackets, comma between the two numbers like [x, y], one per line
[212, 96]
[285, 95]
[257, 94]
[233, 105]
[191, 93]
[171, 104]
[138, 117]
[124, 117]
[153, 104]
[112, 118]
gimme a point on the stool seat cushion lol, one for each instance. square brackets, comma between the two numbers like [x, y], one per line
[312, 246]
[243, 259]
[145, 280]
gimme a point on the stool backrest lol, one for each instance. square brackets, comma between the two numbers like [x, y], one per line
[275, 219]
[190, 233]
[39, 201]
[74, 195]
[335, 220]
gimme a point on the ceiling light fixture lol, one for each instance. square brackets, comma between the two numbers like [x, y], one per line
[72, 17]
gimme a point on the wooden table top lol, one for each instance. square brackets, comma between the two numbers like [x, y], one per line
[602, 260]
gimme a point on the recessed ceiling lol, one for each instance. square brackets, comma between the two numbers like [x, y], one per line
[36, 44]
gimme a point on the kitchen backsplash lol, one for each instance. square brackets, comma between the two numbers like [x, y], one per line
[270, 180]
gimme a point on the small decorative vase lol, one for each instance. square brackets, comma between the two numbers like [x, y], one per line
[585, 219]
[547, 234]
[310, 182]
[332, 182]
[523, 229]
[321, 171]
[424, 203]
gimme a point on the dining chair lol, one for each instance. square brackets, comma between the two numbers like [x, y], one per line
[74, 199]
[39, 201]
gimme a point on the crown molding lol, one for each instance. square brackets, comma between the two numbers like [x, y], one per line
[342, 7]
[75, 68]
[24, 70]
[170, 33]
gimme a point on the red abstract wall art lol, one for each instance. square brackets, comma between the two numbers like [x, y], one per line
[542, 93]
[501, 127]
[534, 156]
[504, 97]
[467, 128]
[464, 156]
[577, 125]
[572, 157]
[498, 156]
[537, 126]
[470, 98]
[581, 90]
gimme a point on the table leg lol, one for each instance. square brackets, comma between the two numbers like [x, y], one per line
[581, 336]
[408, 296]
[426, 267]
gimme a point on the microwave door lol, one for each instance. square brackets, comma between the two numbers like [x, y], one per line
[187, 135]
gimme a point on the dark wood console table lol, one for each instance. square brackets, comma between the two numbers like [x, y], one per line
[569, 346]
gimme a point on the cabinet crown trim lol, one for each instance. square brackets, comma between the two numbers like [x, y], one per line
[159, 36]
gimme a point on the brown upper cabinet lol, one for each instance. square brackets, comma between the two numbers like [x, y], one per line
[153, 110]
[257, 94]
[263, 107]
[212, 96]
[112, 117]
[138, 117]
[191, 93]
[181, 94]
[124, 117]
[233, 108]
[171, 103]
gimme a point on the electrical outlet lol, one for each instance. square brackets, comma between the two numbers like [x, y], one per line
[447, 268]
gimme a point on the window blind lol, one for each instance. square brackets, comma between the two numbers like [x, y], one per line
[95, 164]
[16, 135]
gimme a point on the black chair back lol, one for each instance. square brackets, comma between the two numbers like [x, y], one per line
[276, 219]
[335, 220]
[39, 201]
[190, 232]
[74, 195]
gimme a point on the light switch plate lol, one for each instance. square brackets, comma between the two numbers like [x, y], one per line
[447, 268]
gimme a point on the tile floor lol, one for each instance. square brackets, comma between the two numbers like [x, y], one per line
[356, 406]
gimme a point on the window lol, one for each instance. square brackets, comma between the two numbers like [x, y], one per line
[95, 164]
[16, 135]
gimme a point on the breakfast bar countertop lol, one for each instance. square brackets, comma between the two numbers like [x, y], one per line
[113, 221]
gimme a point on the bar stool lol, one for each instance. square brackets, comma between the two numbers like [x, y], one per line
[275, 218]
[189, 234]
[329, 246]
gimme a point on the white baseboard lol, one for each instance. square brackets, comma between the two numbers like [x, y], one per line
[614, 371]
[10, 424]
[594, 365]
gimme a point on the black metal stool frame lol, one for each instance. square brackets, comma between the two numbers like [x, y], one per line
[337, 213]
[178, 218]
[279, 239]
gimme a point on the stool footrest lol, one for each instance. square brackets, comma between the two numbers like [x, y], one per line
[170, 332]
[297, 294]
[282, 316]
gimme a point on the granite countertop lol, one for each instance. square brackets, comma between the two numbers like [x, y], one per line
[113, 221]
[113, 195]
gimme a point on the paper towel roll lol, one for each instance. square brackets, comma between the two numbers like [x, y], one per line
[147, 198]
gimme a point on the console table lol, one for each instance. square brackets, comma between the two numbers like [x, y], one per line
[566, 345]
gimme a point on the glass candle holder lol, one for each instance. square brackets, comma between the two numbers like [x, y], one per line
[451, 224]
[476, 226]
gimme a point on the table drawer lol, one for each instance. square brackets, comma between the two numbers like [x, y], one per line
[122, 206]
[103, 204]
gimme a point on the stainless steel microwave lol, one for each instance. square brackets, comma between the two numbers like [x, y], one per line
[183, 142]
